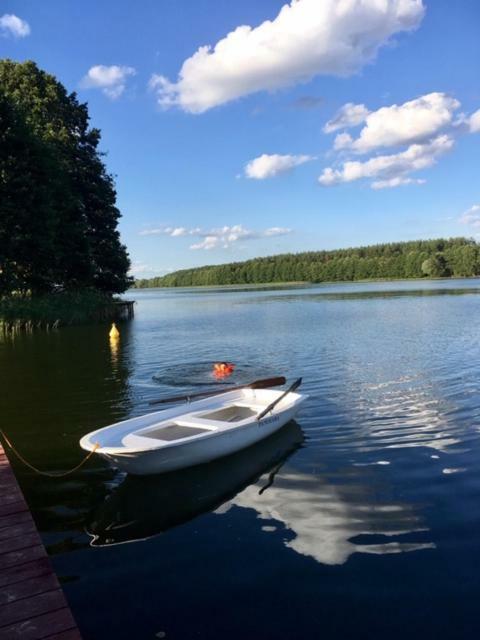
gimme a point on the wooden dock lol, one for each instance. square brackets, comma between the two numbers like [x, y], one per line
[32, 603]
[124, 309]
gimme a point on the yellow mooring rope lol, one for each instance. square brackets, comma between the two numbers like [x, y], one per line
[62, 474]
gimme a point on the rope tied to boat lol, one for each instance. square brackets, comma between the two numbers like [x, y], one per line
[61, 474]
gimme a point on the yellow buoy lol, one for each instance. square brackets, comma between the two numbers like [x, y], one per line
[114, 332]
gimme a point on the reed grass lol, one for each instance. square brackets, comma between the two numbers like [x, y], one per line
[50, 311]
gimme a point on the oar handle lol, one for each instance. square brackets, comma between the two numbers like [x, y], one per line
[271, 406]
[257, 384]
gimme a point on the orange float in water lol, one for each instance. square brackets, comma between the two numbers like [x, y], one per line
[223, 369]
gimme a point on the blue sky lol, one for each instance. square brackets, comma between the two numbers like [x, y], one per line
[406, 160]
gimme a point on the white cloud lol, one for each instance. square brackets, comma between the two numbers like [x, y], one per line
[342, 141]
[426, 128]
[276, 231]
[474, 122]
[174, 232]
[414, 121]
[395, 182]
[209, 242]
[306, 38]
[391, 170]
[111, 80]
[137, 268]
[140, 269]
[11, 25]
[223, 237]
[350, 115]
[226, 236]
[269, 166]
[178, 232]
[471, 216]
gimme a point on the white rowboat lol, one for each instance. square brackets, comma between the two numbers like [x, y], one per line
[195, 433]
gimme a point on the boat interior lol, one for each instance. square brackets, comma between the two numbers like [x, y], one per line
[171, 432]
[196, 423]
[229, 414]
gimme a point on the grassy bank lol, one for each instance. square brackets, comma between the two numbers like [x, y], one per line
[56, 309]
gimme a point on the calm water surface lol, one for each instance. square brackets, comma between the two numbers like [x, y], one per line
[360, 520]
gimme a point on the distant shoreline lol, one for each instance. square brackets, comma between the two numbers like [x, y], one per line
[300, 283]
[416, 259]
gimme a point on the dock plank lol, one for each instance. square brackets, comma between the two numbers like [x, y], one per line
[27, 588]
[71, 634]
[32, 603]
[11, 496]
[15, 558]
[18, 542]
[15, 518]
[31, 607]
[12, 507]
[43, 626]
[14, 530]
[26, 571]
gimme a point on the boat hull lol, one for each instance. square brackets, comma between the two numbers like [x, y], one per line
[203, 450]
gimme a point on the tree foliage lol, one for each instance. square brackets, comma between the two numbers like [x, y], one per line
[422, 258]
[58, 217]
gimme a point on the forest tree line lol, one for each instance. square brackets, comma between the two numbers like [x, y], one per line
[454, 257]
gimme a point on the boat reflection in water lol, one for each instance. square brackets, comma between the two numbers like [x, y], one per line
[143, 506]
[330, 521]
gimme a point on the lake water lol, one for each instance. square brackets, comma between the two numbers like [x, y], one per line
[361, 520]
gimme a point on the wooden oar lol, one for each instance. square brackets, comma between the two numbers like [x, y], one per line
[294, 386]
[257, 384]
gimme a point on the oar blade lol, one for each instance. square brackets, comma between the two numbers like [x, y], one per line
[268, 382]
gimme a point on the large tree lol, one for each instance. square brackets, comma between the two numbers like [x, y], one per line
[58, 217]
